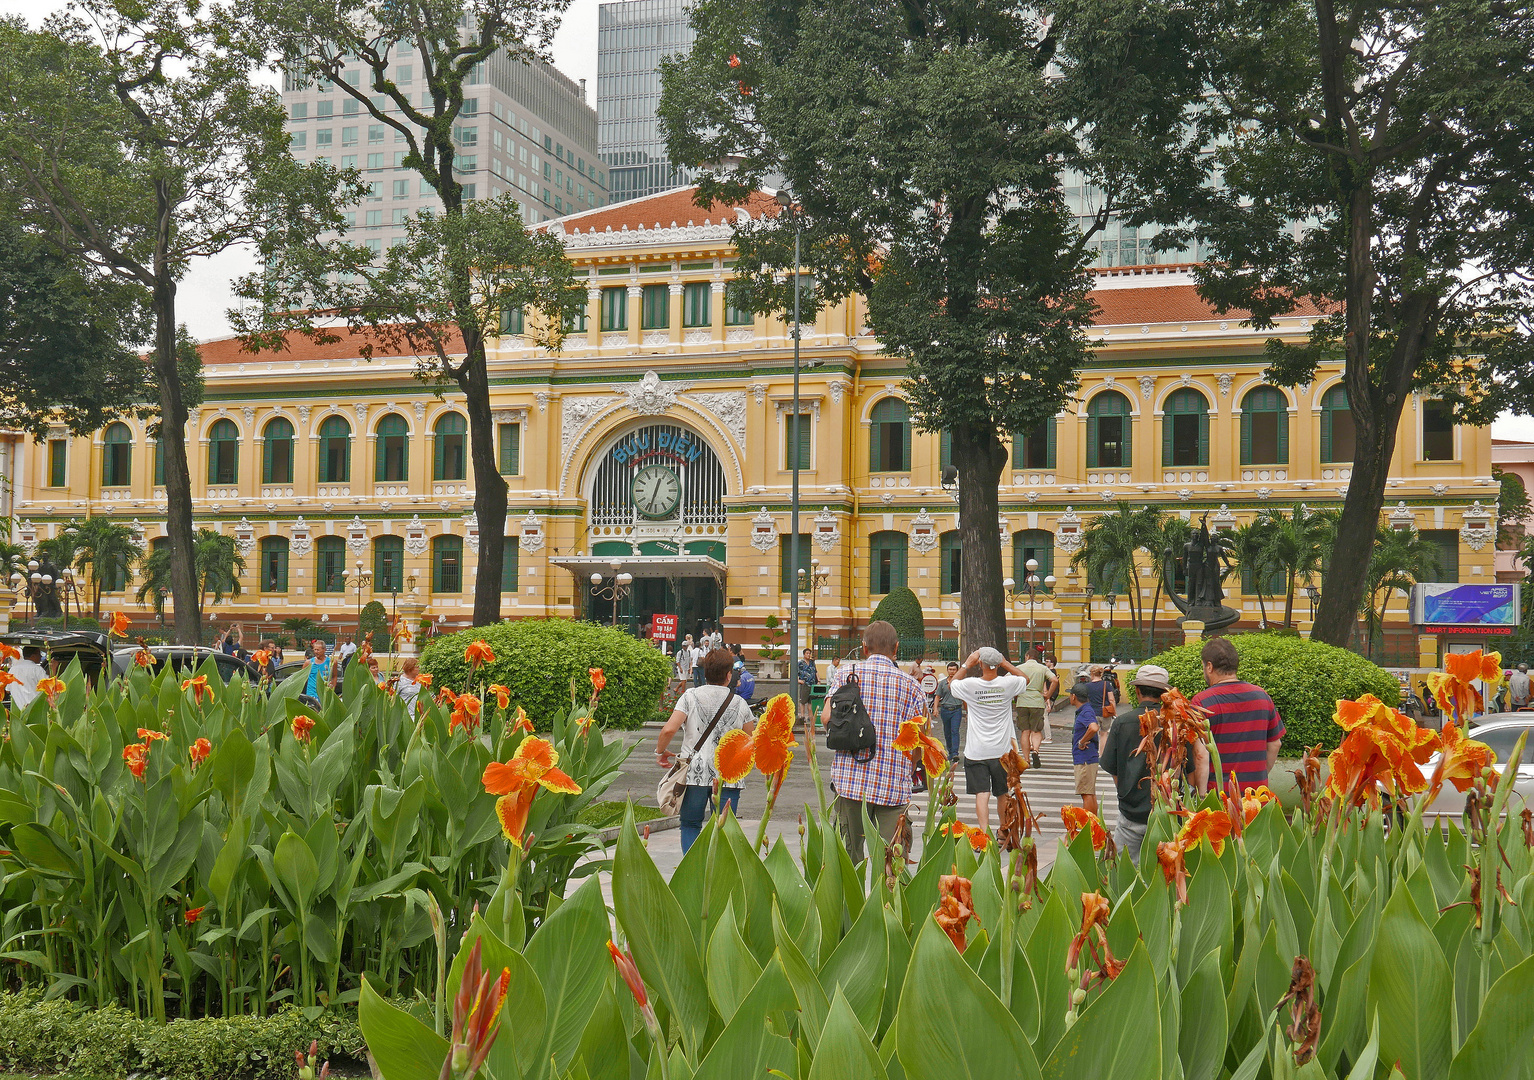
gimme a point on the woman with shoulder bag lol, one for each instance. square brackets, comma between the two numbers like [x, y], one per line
[703, 714]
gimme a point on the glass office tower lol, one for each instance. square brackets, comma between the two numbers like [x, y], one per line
[632, 38]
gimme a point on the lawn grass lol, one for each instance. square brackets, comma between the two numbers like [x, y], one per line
[604, 815]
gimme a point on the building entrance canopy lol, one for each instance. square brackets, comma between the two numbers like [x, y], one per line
[662, 567]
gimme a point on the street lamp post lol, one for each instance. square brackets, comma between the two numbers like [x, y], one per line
[786, 201]
[810, 584]
[1314, 594]
[359, 582]
[617, 588]
[1031, 585]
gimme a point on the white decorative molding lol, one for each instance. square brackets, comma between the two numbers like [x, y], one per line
[741, 336]
[249, 414]
[26, 535]
[1480, 527]
[759, 392]
[1004, 528]
[697, 337]
[356, 535]
[1223, 519]
[656, 337]
[1185, 379]
[1068, 534]
[828, 529]
[577, 413]
[1440, 489]
[244, 536]
[649, 396]
[764, 531]
[923, 532]
[420, 410]
[658, 234]
[1225, 381]
[303, 414]
[1400, 517]
[1264, 493]
[1185, 494]
[532, 533]
[837, 388]
[471, 532]
[415, 536]
[729, 408]
[1032, 496]
[1109, 381]
[362, 413]
[541, 399]
[1147, 386]
[302, 538]
[510, 416]
[1108, 496]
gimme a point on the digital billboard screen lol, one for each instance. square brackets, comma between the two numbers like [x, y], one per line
[1491, 607]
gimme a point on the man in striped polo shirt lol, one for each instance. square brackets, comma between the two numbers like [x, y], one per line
[1247, 728]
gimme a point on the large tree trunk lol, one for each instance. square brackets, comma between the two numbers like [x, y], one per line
[980, 458]
[178, 479]
[489, 486]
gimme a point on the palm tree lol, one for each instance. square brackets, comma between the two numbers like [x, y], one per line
[218, 566]
[63, 547]
[1109, 550]
[1295, 544]
[1400, 559]
[109, 548]
[1172, 533]
[1249, 549]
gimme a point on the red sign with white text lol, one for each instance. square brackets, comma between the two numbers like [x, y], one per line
[663, 627]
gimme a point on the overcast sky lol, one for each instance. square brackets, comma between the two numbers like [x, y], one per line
[205, 295]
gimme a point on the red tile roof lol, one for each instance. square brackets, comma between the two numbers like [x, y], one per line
[1166, 303]
[299, 347]
[674, 207]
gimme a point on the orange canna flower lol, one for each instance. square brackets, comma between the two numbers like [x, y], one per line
[9, 652]
[423, 679]
[137, 757]
[1383, 746]
[629, 972]
[1174, 867]
[1094, 913]
[734, 60]
[402, 630]
[769, 748]
[913, 739]
[448, 695]
[1077, 818]
[144, 658]
[261, 657]
[598, 681]
[193, 914]
[51, 688]
[956, 907]
[6, 679]
[199, 751]
[119, 625]
[734, 756]
[476, 1008]
[1461, 762]
[978, 839]
[1253, 799]
[478, 653]
[502, 695]
[303, 724]
[520, 722]
[1454, 687]
[517, 781]
[150, 735]
[198, 686]
[465, 714]
[1213, 825]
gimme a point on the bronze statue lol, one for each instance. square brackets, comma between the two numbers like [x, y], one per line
[45, 594]
[1205, 561]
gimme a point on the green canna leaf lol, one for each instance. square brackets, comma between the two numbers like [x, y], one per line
[400, 1046]
[732, 970]
[295, 867]
[1410, 986]
[1499, 1046]
[1202, 1040]
[1119, 1033]
[859, 965]
[802, 979]
[562, 952]
[844, 1050]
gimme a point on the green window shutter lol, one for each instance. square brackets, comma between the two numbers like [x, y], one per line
[1246, 437]
[1166, 437]
[905, 447]
[1203, 439]
[438, 456]
[945, 457]
[380, 457]
[509, 564]
[1092, 448]
[798, 448]
[511, 449]
[159, 463]
[1127, 435]
[1018, 443]
[1283, 435]
[1049, 442]
[875, 439]
[266, 461]
[1326, 434]
[898, 567]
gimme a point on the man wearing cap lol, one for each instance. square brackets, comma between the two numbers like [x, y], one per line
[1130, 770]
[990, 733]
[1038, 683]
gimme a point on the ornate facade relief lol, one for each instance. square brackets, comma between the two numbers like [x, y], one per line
[764, 531]
[303, 538]
[649, 396]
[531, 532]
[923, 534]
[1068, 531]
[1480, 527]
[415, 536]
[244, 536]
[828, 529]
[729, 408]
[356, 535]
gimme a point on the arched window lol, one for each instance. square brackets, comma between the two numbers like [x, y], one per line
[450, 448]
[224, 453]
[447, 564]
[1108, 431]
[274, 562]
[116, 456]
[1437, 431]
[889, 437]
[1185, 429]
[330, 565]
[1036, 544]
[1338, 439]
[389, 564]
[1264, 427]
[949, 547]
[277, 451]
[335, 451]
[391, 461]
[887, 555]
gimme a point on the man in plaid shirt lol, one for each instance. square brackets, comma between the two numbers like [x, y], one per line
[881, 783]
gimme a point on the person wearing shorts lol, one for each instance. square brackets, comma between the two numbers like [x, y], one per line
[1039, 683]
[1084, 746]
[989, 733]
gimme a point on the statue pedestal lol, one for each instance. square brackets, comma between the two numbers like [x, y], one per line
[1192, 631]
[6, 604]
[411, 608]
[1074, 624]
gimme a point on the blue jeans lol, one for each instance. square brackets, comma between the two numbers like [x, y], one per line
[951, 718]
[697, 804]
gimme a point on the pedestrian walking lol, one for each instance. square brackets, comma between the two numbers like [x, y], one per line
[1039, 683]
[1085, 752]
[990, 733]
[876, 781]
[1245, 724]
[694, 713]
[950, 711]
[1518, 687]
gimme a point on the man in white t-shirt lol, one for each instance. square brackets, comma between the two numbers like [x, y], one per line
[990, 732]
[30, 671]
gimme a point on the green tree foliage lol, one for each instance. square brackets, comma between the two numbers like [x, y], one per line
[1512, 506]
[64, 340]
[1398, 134]
[134, 139]
[1399, 559]
[374, 625]
[902, 610]
[1296, 545]
[1304, 678]
[537, 659]
[107, 551]
[443, 291]
[923, 146]
[1110, 550]
[217, 564]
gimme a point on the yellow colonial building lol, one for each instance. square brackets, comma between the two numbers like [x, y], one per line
[662, 438]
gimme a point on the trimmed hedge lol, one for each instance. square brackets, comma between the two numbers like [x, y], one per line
[1305, 678]
[902, 610]
[112, 1043]
[536, 659]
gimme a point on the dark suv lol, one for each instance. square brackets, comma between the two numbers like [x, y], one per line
[96, 651]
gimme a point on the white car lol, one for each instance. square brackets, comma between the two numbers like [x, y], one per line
[1500, 732]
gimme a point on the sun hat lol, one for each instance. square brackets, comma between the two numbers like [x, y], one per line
[1154, 676]
[990, 657]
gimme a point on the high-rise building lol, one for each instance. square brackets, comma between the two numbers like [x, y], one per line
[633, 37]
[525, 128]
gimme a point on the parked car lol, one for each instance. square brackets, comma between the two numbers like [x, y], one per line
[1499, 731]
[97, 652]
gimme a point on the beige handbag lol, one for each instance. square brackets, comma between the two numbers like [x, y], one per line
[673, 783]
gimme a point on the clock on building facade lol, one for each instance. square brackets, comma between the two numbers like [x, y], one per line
[656, 491]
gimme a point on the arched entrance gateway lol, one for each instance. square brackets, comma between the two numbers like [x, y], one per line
[655, 505]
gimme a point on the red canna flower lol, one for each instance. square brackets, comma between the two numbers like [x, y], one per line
[478, 653]
[6, 679]
[424, 678]
[598, 680]
[119, 626]
[199, 751]
[629, 972]
[476, 1008]
[198, 686]
[1253, 799]
[303, 724]
[193, 914]
[261, 657]
[956, 907]
[466, 710]
[1094, 913]
[51, 688]
[144, 658]
[137, 757]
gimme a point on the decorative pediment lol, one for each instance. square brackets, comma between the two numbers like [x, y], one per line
[764, 531]
[923, 534]
[828, 529]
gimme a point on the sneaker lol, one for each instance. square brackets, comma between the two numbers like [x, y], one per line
[1033, 759]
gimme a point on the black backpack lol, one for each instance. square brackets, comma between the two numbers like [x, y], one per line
[850, 730]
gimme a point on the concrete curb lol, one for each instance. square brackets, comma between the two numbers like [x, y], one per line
[610, 834]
